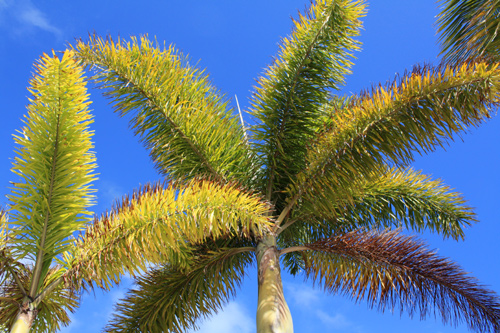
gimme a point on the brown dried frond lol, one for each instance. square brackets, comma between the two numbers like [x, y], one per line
[392, 270]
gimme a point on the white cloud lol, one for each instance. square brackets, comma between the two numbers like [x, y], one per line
[338, 322]
[30, 15]
[26, 17]
[302, 294]
[108, 193]
[233, 318]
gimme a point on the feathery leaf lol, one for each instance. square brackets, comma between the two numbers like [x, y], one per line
[54, 162]
[314, 59]
[169, 299]
[158, 224]
[184, 122]
[391, 270]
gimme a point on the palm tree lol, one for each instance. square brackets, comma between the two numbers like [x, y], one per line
[333, 171]
[41, 264]
[470, 28]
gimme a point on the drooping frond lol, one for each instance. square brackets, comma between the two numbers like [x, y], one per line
[390, 270]
[314, 59]
[52, 312]
[158, 223]
[469, 28]
[184, 122]
[421, 111]
[54, 163]
[398, 198]
[169, 299]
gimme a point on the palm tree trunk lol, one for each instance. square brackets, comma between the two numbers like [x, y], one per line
[273, 315]
[24, 320]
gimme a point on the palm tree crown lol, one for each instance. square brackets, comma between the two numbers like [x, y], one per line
[320, 186]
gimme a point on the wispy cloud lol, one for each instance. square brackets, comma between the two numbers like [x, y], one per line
[26, 17]
[233, 318]
[108, 193]
[310, 301]
[301, 294]
[338, 322]
[30, 15]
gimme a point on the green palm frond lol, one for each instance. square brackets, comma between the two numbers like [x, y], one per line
[6, 257]
[169, 299]
[469, 28]
[421, 111]
[314, 59]
[52, 311]
[54, 162]
[399, 198]
[184, 122]
[390, 270]
[157, 225]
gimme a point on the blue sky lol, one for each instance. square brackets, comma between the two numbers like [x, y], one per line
[234, 41]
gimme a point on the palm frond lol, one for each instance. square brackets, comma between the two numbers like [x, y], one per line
[399, 198]
[184, 122]
[52, 311]
[390, 270]
[314, 59]
[421, 111]
[169, 299]
[469, 28]
[158, 224]
[54, 163]
[6, 257]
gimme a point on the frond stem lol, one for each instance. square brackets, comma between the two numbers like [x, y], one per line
[285, 211]
[37, 271]
[39, 298]
[243, 249]
[293, 249]
[18, 281]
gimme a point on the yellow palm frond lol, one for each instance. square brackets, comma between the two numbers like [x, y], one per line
[397, 198]
[424, 109]
[184, 122]
[158, 224]
[54, 163]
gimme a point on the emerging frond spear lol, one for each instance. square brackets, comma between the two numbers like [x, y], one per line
[391, 270]
[172, 299]
[184, 122]
[153, 226]
[469, 28]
